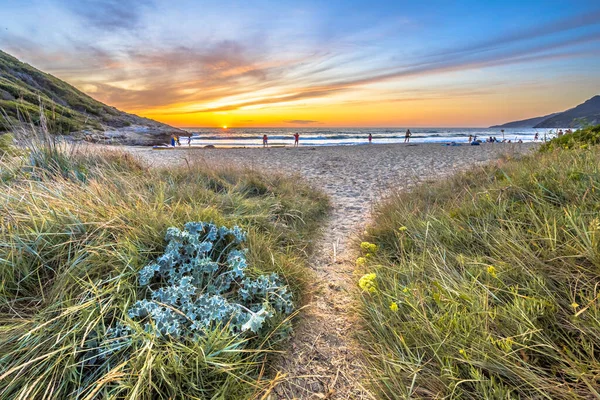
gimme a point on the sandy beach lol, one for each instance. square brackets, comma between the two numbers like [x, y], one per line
[352, 175]
[322, 360]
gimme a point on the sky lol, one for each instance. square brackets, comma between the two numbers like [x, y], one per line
[316, 63]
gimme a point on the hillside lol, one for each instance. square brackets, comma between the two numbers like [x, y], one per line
[68, 111]
[525, 123]
[587, 113]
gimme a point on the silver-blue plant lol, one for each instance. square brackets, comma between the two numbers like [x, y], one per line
[200, 282]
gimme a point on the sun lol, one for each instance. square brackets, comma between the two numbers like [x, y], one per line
[224, 126]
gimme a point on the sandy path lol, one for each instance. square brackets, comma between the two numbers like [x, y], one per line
[323, 360]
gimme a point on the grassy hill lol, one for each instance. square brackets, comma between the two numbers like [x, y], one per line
[24, 88]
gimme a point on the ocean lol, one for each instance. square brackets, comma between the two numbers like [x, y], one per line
[252, 137]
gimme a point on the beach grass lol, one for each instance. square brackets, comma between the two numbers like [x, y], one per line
[77, 225]
[488, 285]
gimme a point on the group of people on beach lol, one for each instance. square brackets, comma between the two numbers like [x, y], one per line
[175, 141]
[492, 139]
[407, 136]
[296, 140]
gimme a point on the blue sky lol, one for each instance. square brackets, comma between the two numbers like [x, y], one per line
[352, 63]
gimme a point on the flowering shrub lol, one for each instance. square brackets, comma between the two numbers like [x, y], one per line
[368, 283]
[368, 248]
[361, 261]
[200, 283]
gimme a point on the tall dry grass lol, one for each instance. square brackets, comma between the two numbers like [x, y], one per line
[76, 225]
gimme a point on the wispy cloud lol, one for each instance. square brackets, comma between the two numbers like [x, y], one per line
[528, 33]
[301, 121]
[109, 14]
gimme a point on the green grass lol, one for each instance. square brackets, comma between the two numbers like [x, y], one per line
[488, 285]
[76, 227]
[7, 147]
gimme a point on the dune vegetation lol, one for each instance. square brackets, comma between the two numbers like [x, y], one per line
[488, 285]
[99, 292]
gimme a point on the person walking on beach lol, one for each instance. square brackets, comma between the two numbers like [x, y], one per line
[265, 140]
[296, 139]
[370, 138]
[536, 137]
[190, 141]
[407, 136]
[177, 140]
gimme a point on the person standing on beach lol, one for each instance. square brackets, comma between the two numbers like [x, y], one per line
[177, 140]
[265, 140]
[470, 138]
[407, 136]
[190, 141]
[296, 139]
[370, 138]
[173, 141]
[536, 137]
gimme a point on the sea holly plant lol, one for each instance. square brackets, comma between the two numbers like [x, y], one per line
[200, 283]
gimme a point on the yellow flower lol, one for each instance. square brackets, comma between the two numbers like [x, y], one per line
[367, 283]
[402, 228]
[492, 271]
[394, 306]
[462, 352]
[360, 261]
[574, 305]
[368, 247]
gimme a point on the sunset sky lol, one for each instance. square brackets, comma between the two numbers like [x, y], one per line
[316, 63]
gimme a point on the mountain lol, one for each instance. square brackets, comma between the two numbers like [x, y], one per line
[525, 123]
[587, 113]
[25, 91]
